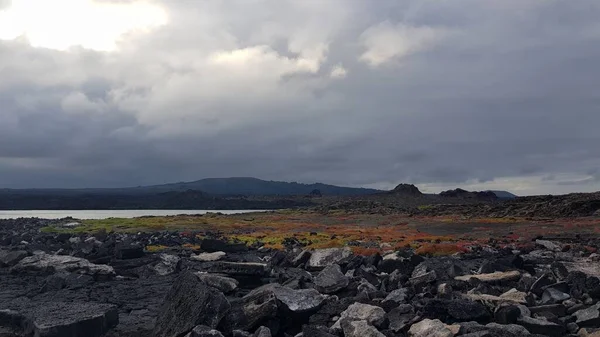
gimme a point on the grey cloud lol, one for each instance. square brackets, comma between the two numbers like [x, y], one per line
[507, 91]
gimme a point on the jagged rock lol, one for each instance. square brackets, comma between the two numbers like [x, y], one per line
[263, 331]
[423, 279]
[168, 264]
[549, 245]
[49, 264]
[10, 258]
[249, 312]
[393, 262]
[208, 257]
[204, 331]
[542, 327]
[400, 317]
[372, 314]
[62, 280]
[299, 301]
[331, 310]
[301, 258]
[588, 317]
[493, 277]
[331, 279]
[541, 283]
[553, 296]
[444, 268]
[321, 258]
[559, 270]
[359, 329]
[222, 283]
[397, 296]
[240, 268]
[189, 303]
[429, 328]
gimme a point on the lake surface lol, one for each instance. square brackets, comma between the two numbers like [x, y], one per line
[104, 214]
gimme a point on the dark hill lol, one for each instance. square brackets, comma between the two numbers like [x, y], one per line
[462, 194]
[258, 187]
[406, 189]
[504, 194]
[211, 186]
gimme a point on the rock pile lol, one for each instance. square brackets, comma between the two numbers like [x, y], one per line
[106, 285]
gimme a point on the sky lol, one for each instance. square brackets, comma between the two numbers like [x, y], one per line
[498, 94]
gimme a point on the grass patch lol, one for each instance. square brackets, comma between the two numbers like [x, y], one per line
[439, 249]
[156, 248]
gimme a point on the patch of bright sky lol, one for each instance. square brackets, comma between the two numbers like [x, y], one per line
[61, 24]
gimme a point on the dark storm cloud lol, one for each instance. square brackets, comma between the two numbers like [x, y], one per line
[441, 94]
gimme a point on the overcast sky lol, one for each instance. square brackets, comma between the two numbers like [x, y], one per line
[498, 94]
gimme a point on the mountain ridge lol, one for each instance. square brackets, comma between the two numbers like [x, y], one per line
[234, 186]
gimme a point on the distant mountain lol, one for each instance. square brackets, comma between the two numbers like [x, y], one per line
[462, 194]
[504, 194]
[254, 186]
[211, 186]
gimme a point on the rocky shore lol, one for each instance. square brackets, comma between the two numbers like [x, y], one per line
[108, 284]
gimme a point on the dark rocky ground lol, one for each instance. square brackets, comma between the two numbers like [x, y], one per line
[468, 205]
[107, 285]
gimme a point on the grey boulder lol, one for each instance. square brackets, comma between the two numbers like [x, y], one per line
[331, 280]
[361, 312]
[299, 301]
[430, 328]
[321, 258]
[360, 329]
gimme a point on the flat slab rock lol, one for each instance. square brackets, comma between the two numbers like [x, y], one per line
[57, 319]
[492, 277]
[208, 257]
[49, 264]
[239, 268]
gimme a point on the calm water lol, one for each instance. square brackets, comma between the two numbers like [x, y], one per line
[104, 214]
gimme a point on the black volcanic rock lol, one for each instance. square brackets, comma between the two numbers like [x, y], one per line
[407, 189]
[190, 303]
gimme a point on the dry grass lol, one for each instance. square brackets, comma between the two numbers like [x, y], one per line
[428, 235]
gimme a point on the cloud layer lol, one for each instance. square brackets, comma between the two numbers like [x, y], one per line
[494, 94]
